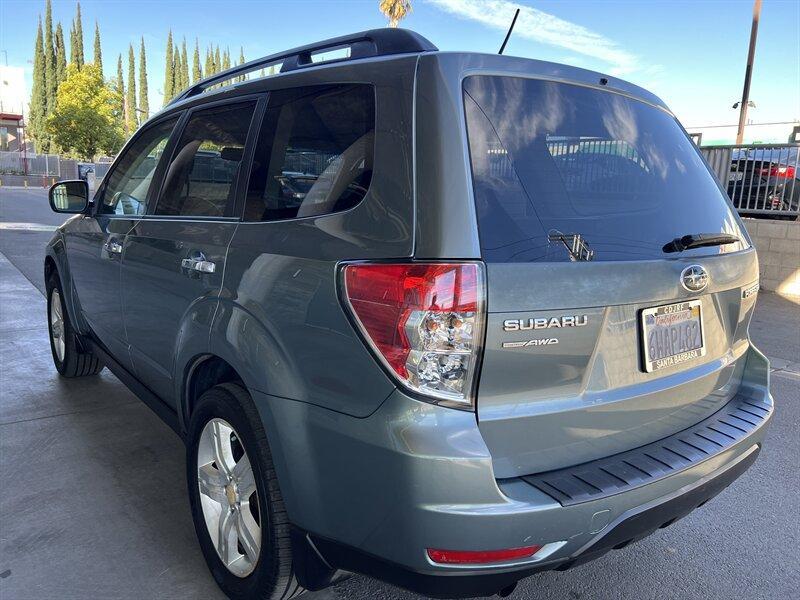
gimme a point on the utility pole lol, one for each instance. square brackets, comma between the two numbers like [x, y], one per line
[748, 71]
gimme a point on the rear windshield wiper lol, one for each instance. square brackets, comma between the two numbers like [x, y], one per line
[698, 240]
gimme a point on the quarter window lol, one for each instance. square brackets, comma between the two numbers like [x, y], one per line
[314, 154]
[130, 179]
[201, 178]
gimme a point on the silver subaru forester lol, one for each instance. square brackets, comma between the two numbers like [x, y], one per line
[444, 319]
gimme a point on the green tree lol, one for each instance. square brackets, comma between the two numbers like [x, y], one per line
[37, 111]
[79, 58]
[184, 66]
[119, 90]
[178, 71]
[197, 73]
[241, 62]
[217, 61]
[395, 10]
[226, 60]
[61, 55]
[86, 120]
[73, 45]
[169, 72]
[51, 81]
[144, 102]
[209, 69]
[98, 53]
[132, 116]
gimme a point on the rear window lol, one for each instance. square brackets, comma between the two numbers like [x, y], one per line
[563, 172]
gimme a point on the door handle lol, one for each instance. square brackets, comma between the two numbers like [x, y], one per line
[113, 247]
[199, 263]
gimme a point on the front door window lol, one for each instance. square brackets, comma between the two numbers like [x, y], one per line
[129, 181]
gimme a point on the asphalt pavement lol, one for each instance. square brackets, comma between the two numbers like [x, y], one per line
[92, 485]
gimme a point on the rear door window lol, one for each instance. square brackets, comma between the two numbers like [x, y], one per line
[201, 177]
[564, 173]
[314, 153]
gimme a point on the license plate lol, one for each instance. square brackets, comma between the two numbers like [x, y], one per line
[734, 176]
[672, 334]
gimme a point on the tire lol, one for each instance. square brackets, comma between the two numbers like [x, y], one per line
[270, 575]
[69, 356]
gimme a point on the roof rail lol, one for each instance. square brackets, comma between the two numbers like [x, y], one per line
[375, 42]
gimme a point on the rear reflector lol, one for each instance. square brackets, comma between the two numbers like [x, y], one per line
[424, 321]
[472, 557]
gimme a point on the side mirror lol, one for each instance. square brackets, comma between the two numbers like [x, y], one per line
[70, 197]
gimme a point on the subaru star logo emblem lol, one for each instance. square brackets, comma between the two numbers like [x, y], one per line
[694, 278]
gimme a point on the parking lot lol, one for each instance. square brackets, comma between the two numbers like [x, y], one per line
[93, 501]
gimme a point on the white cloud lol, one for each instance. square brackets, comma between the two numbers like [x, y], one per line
[539, 26]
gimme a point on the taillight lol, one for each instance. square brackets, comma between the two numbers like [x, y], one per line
[424, 321]
[784, 172]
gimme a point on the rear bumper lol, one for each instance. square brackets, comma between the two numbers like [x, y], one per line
[374, 493]
[628, 528]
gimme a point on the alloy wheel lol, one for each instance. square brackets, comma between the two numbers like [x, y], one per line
[228, 497]
[57, 325]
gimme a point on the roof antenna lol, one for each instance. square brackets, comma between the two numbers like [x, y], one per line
[510, 29]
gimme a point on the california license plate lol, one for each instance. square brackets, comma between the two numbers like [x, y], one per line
[672, 334]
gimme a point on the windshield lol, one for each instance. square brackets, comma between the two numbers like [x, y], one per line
[563, 172]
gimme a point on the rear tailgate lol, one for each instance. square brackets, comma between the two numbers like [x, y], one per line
[577, 193]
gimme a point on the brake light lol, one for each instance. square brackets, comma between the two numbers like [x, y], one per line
[783, 172]
[424, 321]
[470, 557]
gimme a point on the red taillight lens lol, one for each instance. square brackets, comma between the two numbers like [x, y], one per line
[424, 320]
[784, 172]
[471, 557]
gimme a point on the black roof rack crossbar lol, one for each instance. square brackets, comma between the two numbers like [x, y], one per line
[375, 42]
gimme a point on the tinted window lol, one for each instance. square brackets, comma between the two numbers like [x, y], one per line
[563, 172]
[201, 178]
[314, 153]
[129, 181]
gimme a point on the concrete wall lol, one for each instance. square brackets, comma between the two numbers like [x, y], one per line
[778, 245]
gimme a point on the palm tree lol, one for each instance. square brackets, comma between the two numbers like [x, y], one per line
[395, 10]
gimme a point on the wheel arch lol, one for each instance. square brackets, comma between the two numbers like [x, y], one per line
[200, 375]
[55, 261]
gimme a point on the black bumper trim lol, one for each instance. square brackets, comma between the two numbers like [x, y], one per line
[456, 585]
[641, 466]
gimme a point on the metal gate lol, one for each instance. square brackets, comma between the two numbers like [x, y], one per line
[760, 179]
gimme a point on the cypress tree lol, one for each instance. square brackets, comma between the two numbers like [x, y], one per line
[73, 45]
[226, 60]
[197, 73]
[79, 59]
[169, 72]
[208, 70]
[120, 90]
[144, 103]
[184, 66]
[217, 61]
[178, 71]
[241, 62]
[130, 95]
[38, 106]
[51, 81]
[61, 55]
[98, 53]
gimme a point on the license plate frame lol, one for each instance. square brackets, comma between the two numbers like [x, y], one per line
[683, 355]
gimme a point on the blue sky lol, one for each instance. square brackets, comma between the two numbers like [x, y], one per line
[691, 53]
